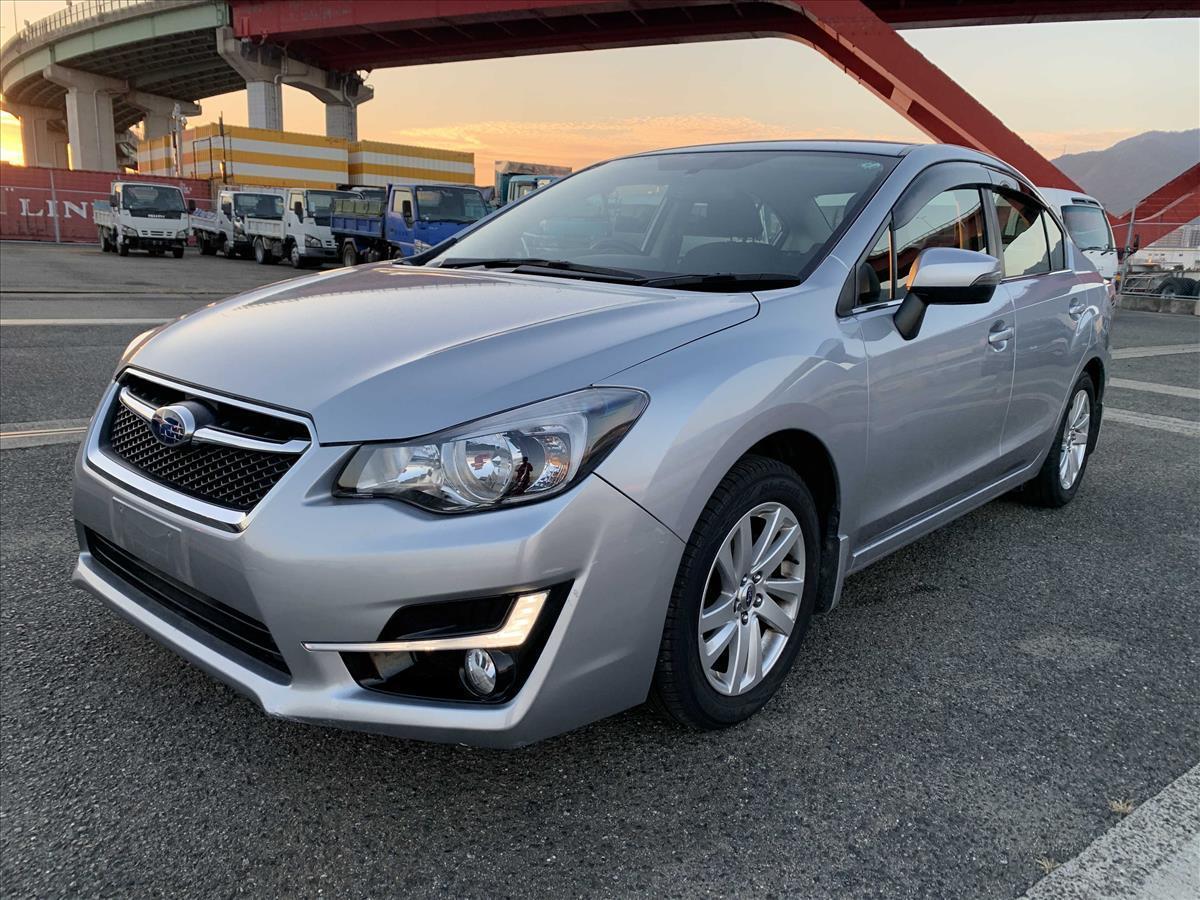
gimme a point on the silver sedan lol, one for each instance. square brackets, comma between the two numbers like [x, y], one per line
[622, 439]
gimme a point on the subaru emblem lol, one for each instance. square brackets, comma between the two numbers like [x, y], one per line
[174, 425]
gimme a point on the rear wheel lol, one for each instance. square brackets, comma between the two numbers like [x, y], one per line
[207, 247]
[743, 597]
[1062, 472]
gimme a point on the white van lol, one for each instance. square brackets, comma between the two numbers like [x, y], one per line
[1088, 226]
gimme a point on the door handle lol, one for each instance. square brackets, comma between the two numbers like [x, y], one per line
[1000, 337]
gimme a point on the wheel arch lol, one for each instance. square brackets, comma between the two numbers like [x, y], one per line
[806, 454]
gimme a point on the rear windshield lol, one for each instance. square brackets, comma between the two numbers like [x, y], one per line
[1088, 226]
[695, 213]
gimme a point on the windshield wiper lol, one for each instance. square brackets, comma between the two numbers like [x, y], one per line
[723, 281]
[524, 265]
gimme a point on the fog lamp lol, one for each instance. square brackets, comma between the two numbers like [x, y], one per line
[479, 672]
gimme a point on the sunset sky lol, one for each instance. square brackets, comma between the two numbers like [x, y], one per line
[1064, 87]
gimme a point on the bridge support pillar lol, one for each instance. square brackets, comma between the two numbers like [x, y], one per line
[341, 119]
[160, 112]
[264, 104]
[41, 145]
[266, 69]
[90, 128]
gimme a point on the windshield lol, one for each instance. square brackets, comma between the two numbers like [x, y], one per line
[450, 204]
[1088, 226]
[320, 202]
[739, 212]
[260, 206]
[152, 198]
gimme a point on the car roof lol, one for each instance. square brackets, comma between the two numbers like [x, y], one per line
[927, 153]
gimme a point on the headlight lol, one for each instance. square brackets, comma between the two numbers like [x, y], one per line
[128, 231]
[514, 457]
[310, 241]
[181, 234]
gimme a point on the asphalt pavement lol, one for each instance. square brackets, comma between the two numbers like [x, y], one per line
[963, 721]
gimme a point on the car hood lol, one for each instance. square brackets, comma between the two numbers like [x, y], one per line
[386, 352]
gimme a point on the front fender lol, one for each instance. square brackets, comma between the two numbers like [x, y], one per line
[795, 366]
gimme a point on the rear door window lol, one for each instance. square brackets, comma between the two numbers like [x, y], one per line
[1022, 235]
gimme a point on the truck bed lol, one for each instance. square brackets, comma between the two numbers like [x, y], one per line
[357, 218]
[204, 220]
[264, 228]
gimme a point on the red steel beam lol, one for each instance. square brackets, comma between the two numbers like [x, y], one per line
[1171, 206]
[345, 35]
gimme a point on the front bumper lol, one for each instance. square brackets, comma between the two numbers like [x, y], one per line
[319, 569]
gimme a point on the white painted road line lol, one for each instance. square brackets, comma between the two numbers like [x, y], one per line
[9, 323]
[1149, 386]
[1164, 350]
[1153, 854]
[1146, 420]
[41, 434]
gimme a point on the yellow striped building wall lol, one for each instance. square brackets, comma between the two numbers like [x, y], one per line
[377, 163]
[234, 154]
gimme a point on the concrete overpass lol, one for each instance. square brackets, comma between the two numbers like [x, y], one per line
[105, 64]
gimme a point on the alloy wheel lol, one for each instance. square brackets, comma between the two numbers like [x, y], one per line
[751, 598]
[1074, 440]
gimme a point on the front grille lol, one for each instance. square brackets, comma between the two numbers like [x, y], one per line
[242, 632]
[227, 476]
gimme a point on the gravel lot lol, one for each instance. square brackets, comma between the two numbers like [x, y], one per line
[972, 706]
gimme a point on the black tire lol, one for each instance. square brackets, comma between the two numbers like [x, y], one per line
[122, 249]
[1173, 287]
[230, 250]
[1046, 489]
[207, 247]
[349, 254]
[294, 257]
[680, 687]
[262, 255]
[177, 252]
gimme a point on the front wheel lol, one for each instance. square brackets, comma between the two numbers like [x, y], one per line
[743, 597]
[177, 252]
[349, 254]
[1062, 472]
[122, 249]
[295, 258]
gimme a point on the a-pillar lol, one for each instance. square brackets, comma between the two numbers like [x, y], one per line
[90, 127]
[160, 112]
[41, 145]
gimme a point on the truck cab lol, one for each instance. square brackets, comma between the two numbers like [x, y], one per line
[518, 186]
[413, 218]
[224, 228]
[1088, 225]
[143, 216]
[307, 238]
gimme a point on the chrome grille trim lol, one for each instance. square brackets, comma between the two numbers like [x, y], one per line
[209, 435]
[113, 469]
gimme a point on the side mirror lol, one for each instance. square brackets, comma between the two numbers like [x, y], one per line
[406, 211]
[298, 209]
[945, 275]
[191, 206]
